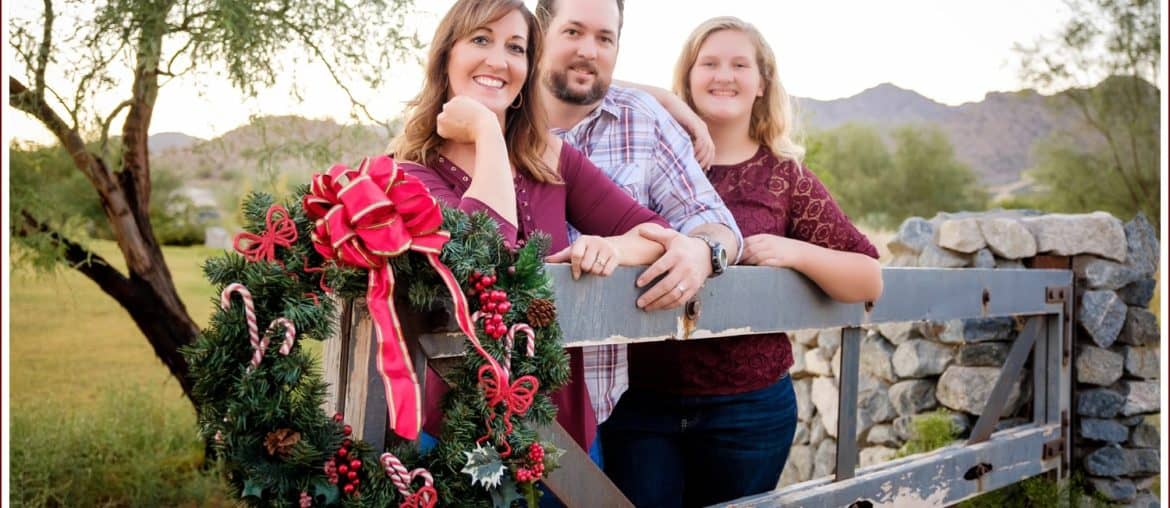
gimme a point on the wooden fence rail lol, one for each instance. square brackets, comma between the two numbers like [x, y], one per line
[749, 300]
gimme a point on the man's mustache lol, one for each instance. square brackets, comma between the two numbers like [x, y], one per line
[583, 65]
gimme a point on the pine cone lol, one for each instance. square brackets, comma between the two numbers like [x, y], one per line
[542, 312]
[281, 441]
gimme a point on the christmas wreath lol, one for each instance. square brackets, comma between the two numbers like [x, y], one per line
[351, 234]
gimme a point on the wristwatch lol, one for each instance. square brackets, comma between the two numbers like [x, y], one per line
[718, 255]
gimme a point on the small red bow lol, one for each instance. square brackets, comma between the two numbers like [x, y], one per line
[424, 497]
[279, 229]
[516, 397]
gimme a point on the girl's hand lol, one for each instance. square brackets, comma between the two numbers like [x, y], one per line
[465, 120]
[771, 250]
[700, 136]
[589, 254]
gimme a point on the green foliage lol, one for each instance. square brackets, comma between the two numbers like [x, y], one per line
[881, 188]
[1119, 43]
[1040, 492]
[173, 215]
[1120, 174]
[932, 431]
[288, 391]
[47, 185]
[129, 449]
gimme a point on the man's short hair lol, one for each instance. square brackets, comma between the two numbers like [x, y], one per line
[546, 10]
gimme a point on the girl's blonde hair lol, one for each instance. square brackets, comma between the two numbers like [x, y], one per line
[773, 123]
[525, 126]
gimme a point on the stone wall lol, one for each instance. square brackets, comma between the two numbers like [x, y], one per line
[911, 368]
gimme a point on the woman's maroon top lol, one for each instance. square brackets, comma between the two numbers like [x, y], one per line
[588, 200]
[765, 195]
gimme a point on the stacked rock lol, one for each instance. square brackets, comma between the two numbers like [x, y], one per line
[912, 368]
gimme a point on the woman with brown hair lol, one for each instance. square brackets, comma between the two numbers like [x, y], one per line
[476, 136]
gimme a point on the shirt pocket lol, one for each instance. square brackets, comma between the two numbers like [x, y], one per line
[632, 179]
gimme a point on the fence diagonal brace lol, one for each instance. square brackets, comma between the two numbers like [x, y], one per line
[1007, 378]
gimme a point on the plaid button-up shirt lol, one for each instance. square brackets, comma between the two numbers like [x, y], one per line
[649, 155]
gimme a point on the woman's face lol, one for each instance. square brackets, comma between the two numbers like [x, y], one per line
[725, 80]
[491, 63]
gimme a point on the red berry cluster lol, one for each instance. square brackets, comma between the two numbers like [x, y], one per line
[534, 470]
[343, 467]
[306, 500]
[493, 304]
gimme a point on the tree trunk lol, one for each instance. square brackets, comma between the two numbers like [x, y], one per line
[166, 326]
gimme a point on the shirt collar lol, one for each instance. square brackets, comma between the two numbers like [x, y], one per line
[609, 106]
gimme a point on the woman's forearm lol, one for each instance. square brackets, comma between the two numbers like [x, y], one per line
[492, 182]
[845, 276]
[634, 250]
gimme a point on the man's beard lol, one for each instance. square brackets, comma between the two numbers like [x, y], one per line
[558, 83]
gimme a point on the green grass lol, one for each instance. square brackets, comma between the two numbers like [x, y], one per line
[932, 431]
[1040, 492]
[96, 419]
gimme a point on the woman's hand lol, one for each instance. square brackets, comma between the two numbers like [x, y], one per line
[465, 120]
[771, 250]
[589, 254]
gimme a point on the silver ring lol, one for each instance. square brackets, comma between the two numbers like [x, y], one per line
[600, 261]
[680, 288]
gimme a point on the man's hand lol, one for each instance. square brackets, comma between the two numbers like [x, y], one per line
[686, 263]
[589, 254]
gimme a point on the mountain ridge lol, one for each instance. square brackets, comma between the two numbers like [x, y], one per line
[994, 136]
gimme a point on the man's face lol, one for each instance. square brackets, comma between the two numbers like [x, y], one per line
[580, 50]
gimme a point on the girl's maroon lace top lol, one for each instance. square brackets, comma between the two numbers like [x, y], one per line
[766, 195]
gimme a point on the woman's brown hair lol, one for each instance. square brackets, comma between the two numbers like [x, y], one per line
[525, 126]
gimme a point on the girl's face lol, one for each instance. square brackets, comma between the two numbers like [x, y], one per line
[725, 79]
[490, 64]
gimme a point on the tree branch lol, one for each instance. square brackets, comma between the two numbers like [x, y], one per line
[28, 101]
[45, 47]
[110, 119]
[93, 266]
[135, 155]
[321, 57]
[1086, 112]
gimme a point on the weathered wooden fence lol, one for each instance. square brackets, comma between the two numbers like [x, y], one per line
[749, 300]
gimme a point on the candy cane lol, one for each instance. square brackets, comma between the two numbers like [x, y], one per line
[225, 302]
[290, 334]
[508, 341]
[401, 477]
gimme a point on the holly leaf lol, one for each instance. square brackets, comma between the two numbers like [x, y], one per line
[322, 489]
[253, 489]
[552, 457]
[506, 494]
[485, 467]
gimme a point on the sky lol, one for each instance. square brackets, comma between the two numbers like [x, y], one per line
[952, 51]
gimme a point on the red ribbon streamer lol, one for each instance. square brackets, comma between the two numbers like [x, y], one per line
[279, 229]
[364, 217]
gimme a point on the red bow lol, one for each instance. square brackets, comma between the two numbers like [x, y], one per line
[364, 217]
[424, 497]
[280, 231]
[516, 397]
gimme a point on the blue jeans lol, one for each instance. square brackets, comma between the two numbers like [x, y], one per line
[669, 451]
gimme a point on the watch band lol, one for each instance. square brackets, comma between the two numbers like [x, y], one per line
[719, 260]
